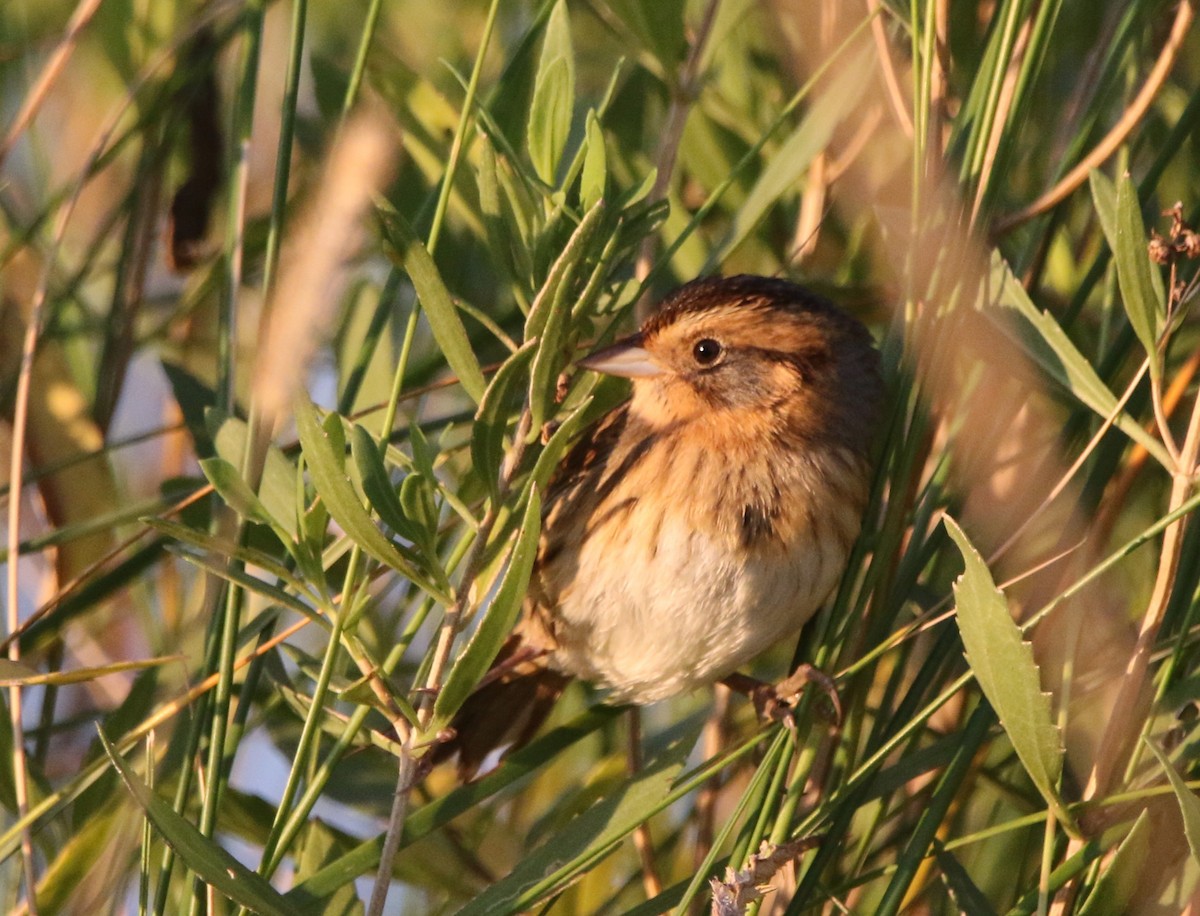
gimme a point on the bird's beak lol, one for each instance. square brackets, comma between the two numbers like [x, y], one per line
[626, 358]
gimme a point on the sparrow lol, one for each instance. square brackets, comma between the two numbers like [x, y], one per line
[704, 519]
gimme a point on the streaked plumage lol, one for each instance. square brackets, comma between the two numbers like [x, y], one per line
[706, 518]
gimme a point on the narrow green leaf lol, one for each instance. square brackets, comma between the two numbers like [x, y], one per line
[1057, 355]
[1189, 804]
[637, 192]
[491, 420]
[502, 241]
[554, 332]
[553, 96]
[593, 182]
[339, 496]
[558, 278]
[377, 484]
[201, 854]
[15, 674]
[1104, 198]
[1143, 305]
[438, 305]
[1116, 885]
[277, 489]
[235, 491]
[497, 621]
[1003, 664]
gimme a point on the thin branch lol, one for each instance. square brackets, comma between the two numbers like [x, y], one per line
[1120, 131]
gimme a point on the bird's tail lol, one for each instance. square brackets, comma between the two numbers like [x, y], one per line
[506, 709]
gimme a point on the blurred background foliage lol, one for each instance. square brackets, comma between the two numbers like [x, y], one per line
[287, 292]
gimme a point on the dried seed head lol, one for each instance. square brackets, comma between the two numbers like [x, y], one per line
[1159, 249]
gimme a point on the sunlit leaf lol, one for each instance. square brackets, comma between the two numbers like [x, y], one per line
[1002, 662]
[593, 182]
[1143, 304]
[435, 299]
[339, 496]
[553, 96]
[1058, 356]
[15, 674]
[497, 621]
[491, 420]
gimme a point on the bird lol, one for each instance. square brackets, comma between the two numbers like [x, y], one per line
[701, 521]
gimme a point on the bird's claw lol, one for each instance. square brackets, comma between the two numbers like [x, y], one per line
[777, 702]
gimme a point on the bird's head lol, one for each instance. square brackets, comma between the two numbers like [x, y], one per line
[751, 350]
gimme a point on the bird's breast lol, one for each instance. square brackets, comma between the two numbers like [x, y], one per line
[670, 593]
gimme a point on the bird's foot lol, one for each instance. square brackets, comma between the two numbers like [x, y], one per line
[777, 702]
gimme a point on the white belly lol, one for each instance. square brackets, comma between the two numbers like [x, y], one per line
[655, 612]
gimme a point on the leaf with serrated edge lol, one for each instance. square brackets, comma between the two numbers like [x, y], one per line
[1003, 664]
[1189, 804]
[201, 854]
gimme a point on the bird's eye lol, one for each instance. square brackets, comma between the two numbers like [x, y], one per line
[706, 351]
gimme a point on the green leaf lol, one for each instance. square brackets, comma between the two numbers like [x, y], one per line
[1143, 304]
[1117, 884]
[230, 486]
[501, 238]
[277, 490]
[201, 854]
[1003, 664]
[497, 621]
[325, 466]
[593, 834]
[1058, 356]
[1189, 804]
[491, 420]
[377, 484]
[553, 96]
[558, 278]
[593, 182]
[438, 305]
[1104, 198]
[15, 674]
[549, 320]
